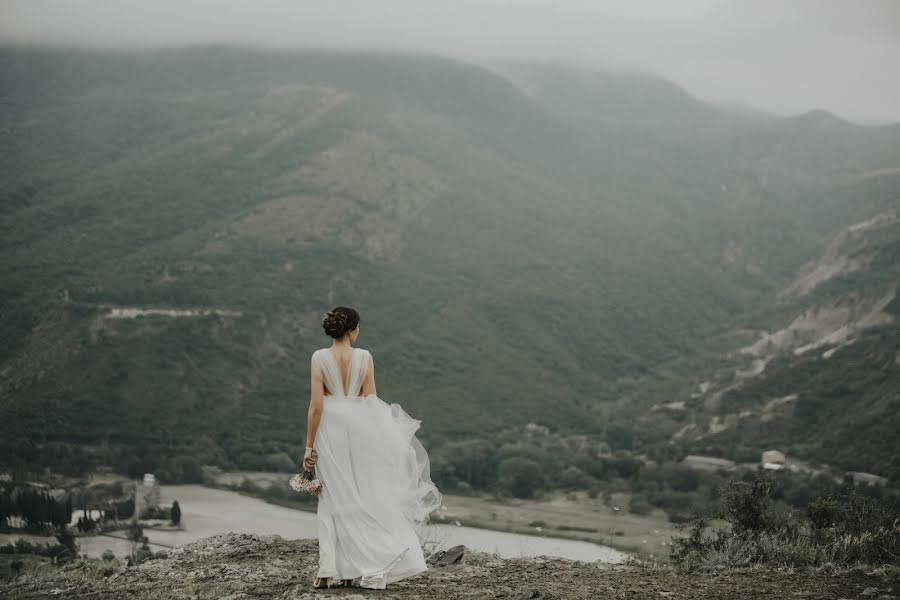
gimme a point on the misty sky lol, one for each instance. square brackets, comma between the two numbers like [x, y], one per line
[784, 56]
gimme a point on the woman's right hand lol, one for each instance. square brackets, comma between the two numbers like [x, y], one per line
[309, 459]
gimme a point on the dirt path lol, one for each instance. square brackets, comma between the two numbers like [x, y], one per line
[241, 566]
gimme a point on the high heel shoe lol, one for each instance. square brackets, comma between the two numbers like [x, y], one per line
[320, 583]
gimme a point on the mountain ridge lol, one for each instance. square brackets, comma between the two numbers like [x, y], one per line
[509, 255]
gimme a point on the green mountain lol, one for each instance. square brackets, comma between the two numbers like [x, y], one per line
[823, 382]
[535, 245]
[811, 367]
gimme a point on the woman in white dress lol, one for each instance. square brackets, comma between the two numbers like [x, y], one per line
[376, 482]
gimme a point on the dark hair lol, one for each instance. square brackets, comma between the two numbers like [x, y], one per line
[339, 320]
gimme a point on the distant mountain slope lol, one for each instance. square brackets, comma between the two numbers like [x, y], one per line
[823, 383]
[512, 262]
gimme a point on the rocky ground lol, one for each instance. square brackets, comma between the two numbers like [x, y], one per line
[241, 566]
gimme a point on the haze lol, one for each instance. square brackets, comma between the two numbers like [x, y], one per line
[781, 57]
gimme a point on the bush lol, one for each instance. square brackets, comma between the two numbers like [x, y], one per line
[155, 512]
[744, 505]
[142, 553]
[823, 512]
[624, 465]
[280, 461]
[125, 508]
[190, 470]
[851, 514]
[135, 532]
[57, 552]
[835, 531]
[639, 505]
[574, 478]
[520, 477]
[472, 461]
[65, 538]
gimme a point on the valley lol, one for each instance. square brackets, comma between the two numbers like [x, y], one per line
[528, 244]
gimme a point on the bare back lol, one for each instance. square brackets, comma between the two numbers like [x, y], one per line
[344, 374]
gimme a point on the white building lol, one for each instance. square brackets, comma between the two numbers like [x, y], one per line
[773, 460]
[146, 494]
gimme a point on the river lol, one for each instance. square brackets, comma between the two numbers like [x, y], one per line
[208, 511]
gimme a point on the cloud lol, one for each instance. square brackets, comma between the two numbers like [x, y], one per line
[781, 56]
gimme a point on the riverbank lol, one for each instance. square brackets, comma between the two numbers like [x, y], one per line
[207, 511]
[570, 516]
[573, 516]
[242, 566]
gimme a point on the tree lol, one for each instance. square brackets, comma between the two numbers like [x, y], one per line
[66, 538]
[520, 477]
[473, 461]
[125, 508]
[619, 437]
[175, 513]
[191, 471]
[135, 531]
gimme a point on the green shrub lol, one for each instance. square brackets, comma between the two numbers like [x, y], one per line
[639, 505]
[834, 531]
[520, 477]
[744, 504]
[574, 478]
[280, 461]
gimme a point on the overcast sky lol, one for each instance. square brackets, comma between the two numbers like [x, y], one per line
[784, 56]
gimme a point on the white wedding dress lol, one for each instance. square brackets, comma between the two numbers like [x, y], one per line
[376, 481]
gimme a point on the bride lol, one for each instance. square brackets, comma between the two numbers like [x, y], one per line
[376, 482]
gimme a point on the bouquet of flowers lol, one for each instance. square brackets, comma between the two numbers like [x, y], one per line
[306, 481]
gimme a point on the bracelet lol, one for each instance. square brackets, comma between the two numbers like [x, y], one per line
[308, 448]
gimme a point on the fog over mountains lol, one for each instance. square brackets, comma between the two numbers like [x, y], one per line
[782, 57]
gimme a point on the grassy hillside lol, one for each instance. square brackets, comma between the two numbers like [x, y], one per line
[513, 259]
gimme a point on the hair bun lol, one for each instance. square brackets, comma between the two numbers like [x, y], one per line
[335, 323]
[339, 320]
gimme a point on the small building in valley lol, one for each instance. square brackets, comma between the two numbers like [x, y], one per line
[773, 460]
[146, 495]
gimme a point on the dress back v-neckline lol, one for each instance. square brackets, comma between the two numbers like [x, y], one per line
[337, 379]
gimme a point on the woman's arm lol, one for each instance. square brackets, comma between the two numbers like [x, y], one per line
[368, 386]
[314, 415]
